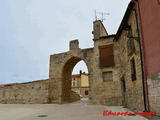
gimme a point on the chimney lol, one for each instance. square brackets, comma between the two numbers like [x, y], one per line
[98, 30]
[80, 72]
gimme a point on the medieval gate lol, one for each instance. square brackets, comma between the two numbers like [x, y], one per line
[61, 66]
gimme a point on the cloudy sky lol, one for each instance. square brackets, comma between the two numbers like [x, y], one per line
[32, 30]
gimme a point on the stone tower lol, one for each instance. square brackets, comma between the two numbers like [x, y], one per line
[98, 30]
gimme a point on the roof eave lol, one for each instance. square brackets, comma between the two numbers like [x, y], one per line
[124, 20]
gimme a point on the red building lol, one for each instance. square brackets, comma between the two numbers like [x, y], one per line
[149, 25]
[149, 15]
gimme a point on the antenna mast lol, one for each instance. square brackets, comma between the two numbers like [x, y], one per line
[102, 15]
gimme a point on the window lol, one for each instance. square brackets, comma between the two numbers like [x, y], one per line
[78, 83]
[86, 92]
[74, 84]
[133, 70]
[130, 46]
[106, 56]
[123, 85]
[107, 76]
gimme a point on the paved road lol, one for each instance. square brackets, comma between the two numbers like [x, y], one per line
[72, 111]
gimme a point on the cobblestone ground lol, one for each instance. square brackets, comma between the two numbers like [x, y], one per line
[72, 111]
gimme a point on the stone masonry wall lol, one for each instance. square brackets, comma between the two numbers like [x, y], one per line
[107, 93]
[154, 92]
[35, 92]
[134, 89]
[25, 93]
[74, 97]
[58, 88]
[61, 66]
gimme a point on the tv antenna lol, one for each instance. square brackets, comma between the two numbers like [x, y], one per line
[102, 15]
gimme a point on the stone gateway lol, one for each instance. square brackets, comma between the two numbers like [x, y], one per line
[115, 70]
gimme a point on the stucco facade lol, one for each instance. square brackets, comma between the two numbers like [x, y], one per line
[80, 84]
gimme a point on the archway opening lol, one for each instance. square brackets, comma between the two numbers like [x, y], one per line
[75, 81]
[80, 80]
